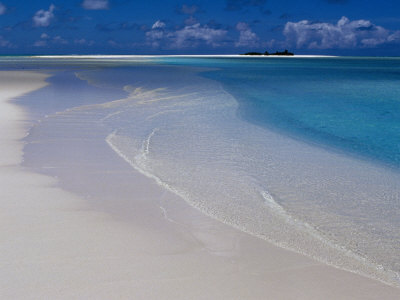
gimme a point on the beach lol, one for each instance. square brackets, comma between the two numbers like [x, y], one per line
[79, 222]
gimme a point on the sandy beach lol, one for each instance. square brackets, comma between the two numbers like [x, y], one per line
[101, 230]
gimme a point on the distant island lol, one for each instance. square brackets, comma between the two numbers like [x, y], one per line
[266, 53]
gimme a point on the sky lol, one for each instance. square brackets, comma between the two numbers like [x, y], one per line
[332, 27]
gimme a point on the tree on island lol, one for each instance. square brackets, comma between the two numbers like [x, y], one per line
[266, 53]
[253, 53]
[286, 52]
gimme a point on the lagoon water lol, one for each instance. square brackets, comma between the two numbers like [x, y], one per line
[303, 152]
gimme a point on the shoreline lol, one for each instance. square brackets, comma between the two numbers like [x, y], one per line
[150, 242]
[197, 56]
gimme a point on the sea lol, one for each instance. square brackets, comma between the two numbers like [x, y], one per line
[303, 152]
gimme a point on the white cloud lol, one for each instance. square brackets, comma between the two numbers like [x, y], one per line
[394, 37]
[45, 39]
[155, 37]
[158, 25]
[43, 18]
[247, 38]
[187, 37]
[95, 4]
[343, 34]
[3, 9]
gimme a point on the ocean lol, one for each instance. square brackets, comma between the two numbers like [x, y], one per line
[302, 152]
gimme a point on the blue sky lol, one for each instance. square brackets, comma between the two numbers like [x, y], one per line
[340, 27]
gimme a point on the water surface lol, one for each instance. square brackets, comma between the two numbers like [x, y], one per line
[301, 152]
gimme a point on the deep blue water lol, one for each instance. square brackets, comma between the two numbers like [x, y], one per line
[351, 104]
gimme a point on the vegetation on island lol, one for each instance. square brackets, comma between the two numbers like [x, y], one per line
[266, 53]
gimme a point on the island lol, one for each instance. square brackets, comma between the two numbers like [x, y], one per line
[266, 53]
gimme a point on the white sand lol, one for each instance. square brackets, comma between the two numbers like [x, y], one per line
[56, 245]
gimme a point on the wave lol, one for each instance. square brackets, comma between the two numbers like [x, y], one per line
[338, 256]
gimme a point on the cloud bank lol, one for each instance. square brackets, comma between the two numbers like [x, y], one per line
[344, 34]
[189, 36]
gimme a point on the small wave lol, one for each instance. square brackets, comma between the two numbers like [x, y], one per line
[303, 226]
[137, 163]
[146, 144]
[273, 205]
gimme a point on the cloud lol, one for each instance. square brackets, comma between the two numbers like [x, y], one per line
[394, 37]
[43, 18]
[112, 43]
[234, 5]
[156, 35]
[343, 34]
[3, 9]
[83, 42]
[188, 9]
[45, 39]
[59, 40]
[247, 38]
[191, 20]
[95, 4]
[189, 36]
[158, 25]
[40, 43]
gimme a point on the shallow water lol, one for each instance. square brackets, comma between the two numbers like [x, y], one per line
[352, 104]
[301, 152]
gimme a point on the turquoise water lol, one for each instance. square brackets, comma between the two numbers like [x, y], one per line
[301, 152]
[348, 103]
